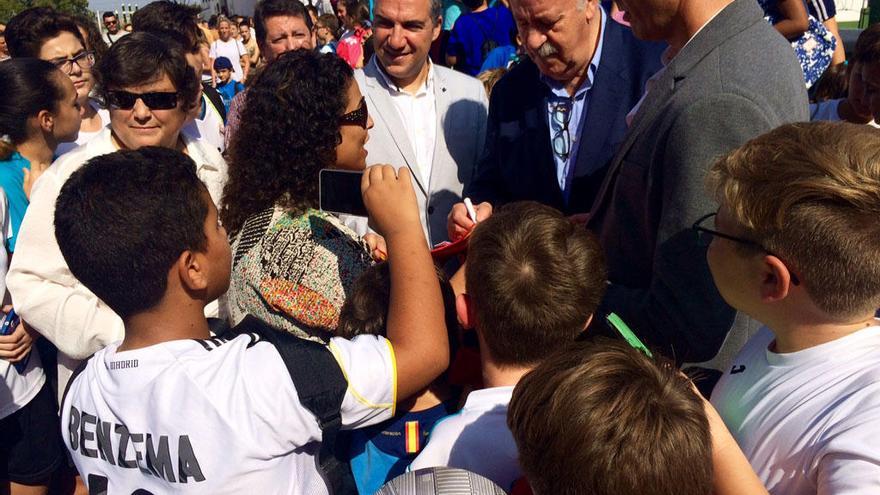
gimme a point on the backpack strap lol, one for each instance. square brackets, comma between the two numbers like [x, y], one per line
[321, 387]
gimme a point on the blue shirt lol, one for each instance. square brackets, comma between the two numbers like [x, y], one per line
[12, 182]
[579, 104]
[228, 91]
[380, 453]
[499, 58]
[470, 33]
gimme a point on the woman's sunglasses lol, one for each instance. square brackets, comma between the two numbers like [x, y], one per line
[156, 101]
[357, 117]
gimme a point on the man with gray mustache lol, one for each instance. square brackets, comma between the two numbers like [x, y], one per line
[556, 118]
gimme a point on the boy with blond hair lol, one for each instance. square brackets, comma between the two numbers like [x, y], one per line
[796, 245]
[533, 281]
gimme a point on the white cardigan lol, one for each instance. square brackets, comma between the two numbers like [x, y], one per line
[44, 292]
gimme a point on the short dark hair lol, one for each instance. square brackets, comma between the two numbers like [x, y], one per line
[140, 58]
[146, 205]
[108, 13]
[365, 311]
[534, 278]
[602, 418]
[331, 22]
[28, 86]
[867, 47]
[272, 8]
[165, 16]
[27, 31]
[94, 41]
[292, 109]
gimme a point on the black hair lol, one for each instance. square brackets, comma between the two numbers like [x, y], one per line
[28, 85]
[94, 42]
[140, 58]
[272, 8]
[123, 219]
[108, 13]
[164, 16]
[27, 31]
[289, 131]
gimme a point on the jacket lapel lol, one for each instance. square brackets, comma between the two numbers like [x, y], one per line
[379, 97]
[442, 100]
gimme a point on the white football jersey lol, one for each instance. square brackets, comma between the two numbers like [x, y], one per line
[212, 416]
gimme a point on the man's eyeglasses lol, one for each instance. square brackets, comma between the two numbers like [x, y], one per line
[704, 238]
[84, 60]
[358, 117]
[561, 115]
[156, 101]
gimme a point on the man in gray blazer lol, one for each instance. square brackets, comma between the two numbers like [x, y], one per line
[428, 118]
[729, 77]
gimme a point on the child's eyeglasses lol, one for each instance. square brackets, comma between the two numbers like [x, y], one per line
[84, 60]
[159, 100]
[358, 117]
[705, 235]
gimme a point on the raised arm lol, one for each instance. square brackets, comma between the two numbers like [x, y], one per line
[416, 326]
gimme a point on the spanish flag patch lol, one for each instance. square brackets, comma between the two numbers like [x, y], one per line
[413, 437]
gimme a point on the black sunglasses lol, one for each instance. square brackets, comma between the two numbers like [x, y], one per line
[357, 117]
[705, 238]
[561, 114]
[156, 101]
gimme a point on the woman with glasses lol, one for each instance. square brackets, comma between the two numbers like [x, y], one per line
[293, 265]
[43, 33]
[150, 90]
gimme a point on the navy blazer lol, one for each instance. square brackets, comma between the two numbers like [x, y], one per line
[517, 163]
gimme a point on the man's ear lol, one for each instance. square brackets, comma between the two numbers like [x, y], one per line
[776, 279]
[438, 26]
[191, 270]
[464, 309]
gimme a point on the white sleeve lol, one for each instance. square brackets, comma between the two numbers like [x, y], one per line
[849, 462]
[280, 423]
[43, 290]
[367, 362]
[242, 51]
[5, 226]
[212, 52]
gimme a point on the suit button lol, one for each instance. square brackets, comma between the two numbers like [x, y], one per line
[430, 210]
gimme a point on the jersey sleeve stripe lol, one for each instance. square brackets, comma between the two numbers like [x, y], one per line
[357, 395]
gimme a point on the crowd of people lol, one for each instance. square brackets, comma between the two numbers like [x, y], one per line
[609, 248]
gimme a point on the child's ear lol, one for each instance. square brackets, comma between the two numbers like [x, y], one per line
[776, 279]
[191, 269]
[589, 320]
[464, 309]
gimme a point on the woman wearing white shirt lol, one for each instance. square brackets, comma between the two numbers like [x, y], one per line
[150, 89]
[43, 33]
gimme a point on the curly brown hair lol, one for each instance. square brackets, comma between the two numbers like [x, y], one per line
[289, 131]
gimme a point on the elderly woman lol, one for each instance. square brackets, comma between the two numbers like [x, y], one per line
[150, 90]
[293, 265]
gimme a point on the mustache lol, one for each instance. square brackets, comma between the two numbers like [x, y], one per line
[546, 50]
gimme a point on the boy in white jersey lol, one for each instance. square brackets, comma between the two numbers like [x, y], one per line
[796, 245]
[170, 409]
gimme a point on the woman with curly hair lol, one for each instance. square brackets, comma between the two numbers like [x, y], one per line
[293, 265]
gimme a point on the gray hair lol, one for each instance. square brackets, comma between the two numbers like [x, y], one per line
[437, 10]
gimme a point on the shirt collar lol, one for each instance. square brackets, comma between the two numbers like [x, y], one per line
[423, 89]
[558, 88]
[668, 54]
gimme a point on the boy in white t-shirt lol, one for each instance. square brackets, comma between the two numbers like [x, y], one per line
[796, 245]
[171, 409]
[533, 280]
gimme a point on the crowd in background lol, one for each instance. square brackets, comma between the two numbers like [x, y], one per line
[588, 248]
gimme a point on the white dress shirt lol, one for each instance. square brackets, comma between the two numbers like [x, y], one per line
[418, 112]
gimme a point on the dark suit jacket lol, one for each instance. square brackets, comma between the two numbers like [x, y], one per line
[518, 160]
[737, 79]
